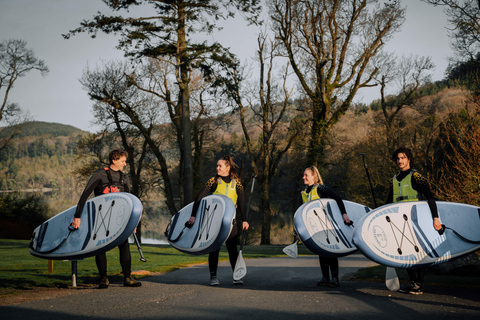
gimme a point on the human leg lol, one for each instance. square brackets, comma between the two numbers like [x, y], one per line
[324, 266]
[231, 245]
[333, 263]
[126, 263]
[212, 266]
[101, 262]
[416, 277]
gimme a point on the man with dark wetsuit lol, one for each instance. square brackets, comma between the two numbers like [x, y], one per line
[409, 185]
[106, 180]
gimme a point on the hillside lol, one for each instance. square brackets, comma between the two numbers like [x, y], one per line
[39, 128]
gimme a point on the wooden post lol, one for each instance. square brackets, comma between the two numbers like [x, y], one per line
[74, 273]
[50, 266]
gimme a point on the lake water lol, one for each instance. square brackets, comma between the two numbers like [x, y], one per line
[153, 223]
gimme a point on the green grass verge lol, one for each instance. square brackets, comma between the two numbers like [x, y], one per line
[20, 271]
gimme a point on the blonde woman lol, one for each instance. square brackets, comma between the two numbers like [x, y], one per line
[315, 189]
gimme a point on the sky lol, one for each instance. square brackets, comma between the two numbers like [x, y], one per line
[59, 97]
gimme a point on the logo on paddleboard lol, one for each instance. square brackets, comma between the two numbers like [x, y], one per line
[380, 236]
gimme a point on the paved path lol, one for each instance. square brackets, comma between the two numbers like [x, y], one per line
[275, 288]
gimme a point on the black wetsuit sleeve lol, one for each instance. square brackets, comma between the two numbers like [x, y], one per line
[94, 181]
[241, 200]
[325, 192]
[207, 189]
[420, 184]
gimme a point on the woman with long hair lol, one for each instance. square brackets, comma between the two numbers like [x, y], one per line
[315, 189]
[227, 183]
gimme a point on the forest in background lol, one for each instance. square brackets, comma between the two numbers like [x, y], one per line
[177, 106]
[45, 157]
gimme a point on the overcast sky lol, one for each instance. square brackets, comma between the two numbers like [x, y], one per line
[59, 97]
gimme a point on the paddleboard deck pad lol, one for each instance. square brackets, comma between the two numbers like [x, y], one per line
[106, 222]
[320, 226]
[401, 235]
[213, 224]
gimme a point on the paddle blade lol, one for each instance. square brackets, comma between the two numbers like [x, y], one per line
[291, 250]
[391, 279]
[240, 268]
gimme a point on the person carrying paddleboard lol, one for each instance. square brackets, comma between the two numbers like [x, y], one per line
[315, 189]
[107, 180]
[226, 182]
[409, 185]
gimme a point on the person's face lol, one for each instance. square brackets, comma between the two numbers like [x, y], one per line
[308, 177]
[119, 164]
[223, 169]
[403, 162]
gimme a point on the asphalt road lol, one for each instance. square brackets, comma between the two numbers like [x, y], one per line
[275, 288]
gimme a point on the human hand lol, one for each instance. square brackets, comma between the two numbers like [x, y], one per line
[76, 223]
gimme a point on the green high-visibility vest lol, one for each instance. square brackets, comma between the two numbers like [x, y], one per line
[403, 190]
[312, 195]
[227, 189]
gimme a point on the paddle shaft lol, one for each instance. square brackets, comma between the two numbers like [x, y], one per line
[369, 181]
[391, 279]
[142, 258]
[248, 210]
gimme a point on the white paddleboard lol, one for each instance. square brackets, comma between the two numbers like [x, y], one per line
[320, 226]
[213, 224]
[106, 222]
[401, 235]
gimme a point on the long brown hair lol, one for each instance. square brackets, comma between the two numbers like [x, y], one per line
[229, 162]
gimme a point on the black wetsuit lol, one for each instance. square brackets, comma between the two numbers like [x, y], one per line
[420, 184]
[232, 240]
[99, 184]
[328, 265]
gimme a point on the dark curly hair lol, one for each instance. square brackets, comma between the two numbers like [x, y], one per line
[407, 151]
[116, 154]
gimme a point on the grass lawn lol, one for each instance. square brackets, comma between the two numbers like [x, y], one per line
[20, 271]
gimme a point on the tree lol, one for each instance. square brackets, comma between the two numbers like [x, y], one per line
[455, 161]
[168, 36]
[134, 116]
[409, 75]
[16, 60]
[330, 45]
[270, 105]
[464, 16]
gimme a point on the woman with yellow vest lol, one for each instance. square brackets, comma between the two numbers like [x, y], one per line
[409, 185]
[315, 189]
[226, 182]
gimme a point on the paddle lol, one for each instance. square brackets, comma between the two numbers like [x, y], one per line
[139, 248]
[291, 250]
[240, 268]
[391, 279]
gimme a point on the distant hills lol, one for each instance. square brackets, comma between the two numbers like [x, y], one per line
[37, 128]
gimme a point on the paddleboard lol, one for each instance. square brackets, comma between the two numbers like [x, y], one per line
[401, 235]
[320, 226]
[213, 224]
[106, 222]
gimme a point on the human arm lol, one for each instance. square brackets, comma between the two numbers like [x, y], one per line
[325, 192]
[89, 188]
[241, 204]
[420, 184]
[205, 191]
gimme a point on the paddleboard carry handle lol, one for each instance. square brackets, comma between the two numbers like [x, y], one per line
[70, 229]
